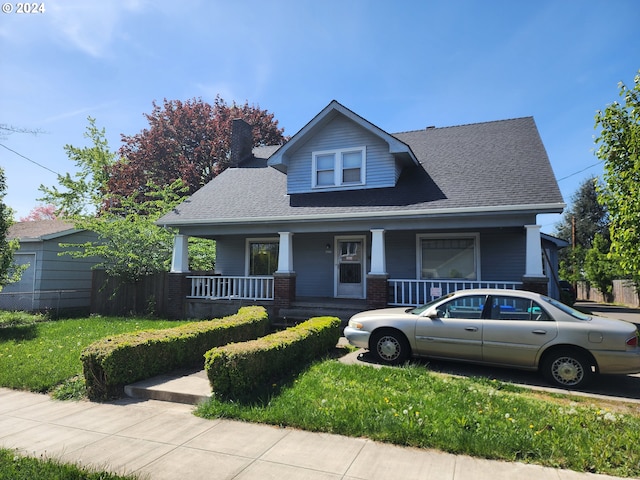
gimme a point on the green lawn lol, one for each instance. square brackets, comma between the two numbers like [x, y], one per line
[475, 416]
[39, 355]
[18, 467]
[407, 406]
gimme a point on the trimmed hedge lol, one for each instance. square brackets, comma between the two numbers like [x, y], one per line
[237, 370]
[111, 363]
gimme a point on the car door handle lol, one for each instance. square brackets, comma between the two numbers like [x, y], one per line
[539, 332]
[471, 329]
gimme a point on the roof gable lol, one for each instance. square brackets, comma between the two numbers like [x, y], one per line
[280, 159]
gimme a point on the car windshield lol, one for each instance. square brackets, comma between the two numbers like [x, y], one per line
[422, 308]
[567, 309]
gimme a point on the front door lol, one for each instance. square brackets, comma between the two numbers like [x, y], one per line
[350, 257]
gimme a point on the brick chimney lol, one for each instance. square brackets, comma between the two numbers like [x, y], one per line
[241, 142]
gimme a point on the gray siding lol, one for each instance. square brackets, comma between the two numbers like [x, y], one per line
[314, 267]
[230, 255]
[62, 272]
[503, 254]
[52, 281]
[338, 134]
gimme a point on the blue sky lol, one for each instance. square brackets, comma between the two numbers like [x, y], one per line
[402, 65]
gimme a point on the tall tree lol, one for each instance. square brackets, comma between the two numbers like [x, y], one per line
[619, 147]
[9, 273]
[585, 218]
[188, 140]
[84, 193]
[581, 223]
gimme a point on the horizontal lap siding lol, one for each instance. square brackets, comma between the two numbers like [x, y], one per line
[503, 254]
[341, 133]
[63, 272]
[313, 266]
[401, 254]
[230, 255]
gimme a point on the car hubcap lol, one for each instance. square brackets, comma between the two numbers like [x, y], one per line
[567, 371]
[388, 348]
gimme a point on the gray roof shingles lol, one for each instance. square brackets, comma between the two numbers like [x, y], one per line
[37, 230]
[492, 164]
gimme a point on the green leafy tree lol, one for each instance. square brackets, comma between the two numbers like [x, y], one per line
[619, 147]
[130, 245]
[571, 267]
[9, 272]
[581, 222]
[85, 192]
[600, 268]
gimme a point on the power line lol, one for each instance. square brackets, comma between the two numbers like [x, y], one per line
[580, 171]
[28, 159]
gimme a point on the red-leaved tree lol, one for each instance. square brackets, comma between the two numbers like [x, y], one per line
[188, 140]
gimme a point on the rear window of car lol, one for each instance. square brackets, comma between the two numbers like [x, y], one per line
[567, 309]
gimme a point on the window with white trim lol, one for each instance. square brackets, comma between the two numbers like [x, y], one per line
[339, 168]
[448, 257]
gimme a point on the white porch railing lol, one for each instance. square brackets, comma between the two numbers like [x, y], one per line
[225, 287]
[418, 292]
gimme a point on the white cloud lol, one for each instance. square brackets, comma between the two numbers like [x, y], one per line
[91, 26]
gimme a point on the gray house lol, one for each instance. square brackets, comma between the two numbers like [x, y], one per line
[52, 282]
[348, 212]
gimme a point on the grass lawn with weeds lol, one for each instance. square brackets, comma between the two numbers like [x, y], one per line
[40, 355]
[14, 466]
[484, 418]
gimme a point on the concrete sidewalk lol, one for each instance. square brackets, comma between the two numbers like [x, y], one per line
[162, 440]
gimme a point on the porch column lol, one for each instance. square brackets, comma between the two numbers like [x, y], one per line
[285, 253]
[180, 257]
[284, 290]
[534, 278]
[378, 252]
[377, 278]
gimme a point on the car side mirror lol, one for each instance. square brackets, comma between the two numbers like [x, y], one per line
[433, 314]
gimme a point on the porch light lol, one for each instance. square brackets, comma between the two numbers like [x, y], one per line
[327, 248]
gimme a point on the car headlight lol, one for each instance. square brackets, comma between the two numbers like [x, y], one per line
[356, 325]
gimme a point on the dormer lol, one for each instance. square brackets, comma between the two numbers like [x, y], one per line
[339, 150]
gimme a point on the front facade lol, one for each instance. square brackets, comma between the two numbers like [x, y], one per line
[345, 210]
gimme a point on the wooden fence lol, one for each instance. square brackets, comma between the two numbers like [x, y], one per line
[110, 296]
[624, 293]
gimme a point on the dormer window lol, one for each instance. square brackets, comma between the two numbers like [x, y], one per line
[339, 168]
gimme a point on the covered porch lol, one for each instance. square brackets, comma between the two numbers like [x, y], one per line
[362, 279]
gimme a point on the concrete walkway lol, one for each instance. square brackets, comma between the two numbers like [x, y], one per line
[162, 440]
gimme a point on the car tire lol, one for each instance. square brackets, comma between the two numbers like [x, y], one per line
[390, 347]
[567, 368]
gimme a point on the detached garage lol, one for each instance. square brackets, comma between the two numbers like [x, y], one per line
[52, 282]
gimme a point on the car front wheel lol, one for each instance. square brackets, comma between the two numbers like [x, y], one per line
[569, 368]
[390, 347]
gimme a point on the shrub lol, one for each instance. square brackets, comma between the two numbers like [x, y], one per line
[239, 369]
[113, 362]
